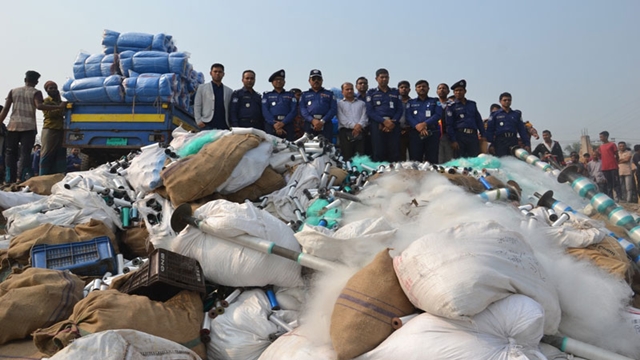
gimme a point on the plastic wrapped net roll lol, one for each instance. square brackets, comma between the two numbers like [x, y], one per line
[157, 62]
[151, 88]
[114, 42]
[94, 89]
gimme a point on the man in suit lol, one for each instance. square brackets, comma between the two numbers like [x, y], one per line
[211, 108]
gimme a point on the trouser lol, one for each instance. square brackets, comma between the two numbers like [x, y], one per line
[251, 123]
[503, 145]
[612, 182]
[626, 187]
[53, 157]
[404, 143]
[327, 130]
[469, 144]
[424, 148]
[386, 145]
[445, 152]
[288, 128]
[368, 143]
[349, 149]
[18, 153]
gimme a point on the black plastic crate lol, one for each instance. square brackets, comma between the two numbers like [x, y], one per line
[93, 257]
[164, 275]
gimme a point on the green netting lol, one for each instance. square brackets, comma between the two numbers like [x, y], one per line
[195, 144]
[314, 214]
[477, 163]
[358, 160]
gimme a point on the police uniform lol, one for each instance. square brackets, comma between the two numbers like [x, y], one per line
[246, 109]
[320, 105]
[427, 111]
[463, 123]
[279, 106]
[503, 128]
[445, 152]
[380, 106]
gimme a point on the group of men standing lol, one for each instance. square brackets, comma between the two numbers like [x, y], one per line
[382, 122]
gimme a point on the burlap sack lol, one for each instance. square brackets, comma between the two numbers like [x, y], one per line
[134, 241]
[608, 255]
[34, 299]
[42, 184]
[179, 319]
[362, 316]
[268, 182]
[469, 183]
[339, 173]
[20, 246]
[199, 175]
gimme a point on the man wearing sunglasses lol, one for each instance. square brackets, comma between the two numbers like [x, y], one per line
[318, 107]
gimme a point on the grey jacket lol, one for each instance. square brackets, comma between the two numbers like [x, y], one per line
[204, 102]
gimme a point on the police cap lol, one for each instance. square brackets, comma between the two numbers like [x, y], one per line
[315, 73]
[276, 74]
[462, 83]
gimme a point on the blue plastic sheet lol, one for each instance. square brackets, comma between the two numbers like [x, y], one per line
[152, 88]
[156, 62]
[114, 42]
[94, 89]
[95, 65]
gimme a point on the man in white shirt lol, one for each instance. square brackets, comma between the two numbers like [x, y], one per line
[352, 119]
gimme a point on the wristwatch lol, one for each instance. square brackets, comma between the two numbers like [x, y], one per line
[322, 121]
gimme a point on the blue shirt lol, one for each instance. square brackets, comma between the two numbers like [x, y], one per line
[382, 104]
[428, 111]
[245, 104]
[219, 113]
[71, 160]
[463, 116]
[277, 104]
[320, 103]
[501, 121]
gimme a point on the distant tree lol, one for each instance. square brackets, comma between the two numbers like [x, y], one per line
[572, 147]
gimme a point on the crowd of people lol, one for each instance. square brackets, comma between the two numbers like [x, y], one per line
[383, 122]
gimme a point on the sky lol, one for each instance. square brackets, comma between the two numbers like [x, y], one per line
[571, 65]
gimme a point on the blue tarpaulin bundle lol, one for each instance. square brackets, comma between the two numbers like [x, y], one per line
[152, 88]
[115, 42]
[87, 65]
[94, 89]
[154, 62]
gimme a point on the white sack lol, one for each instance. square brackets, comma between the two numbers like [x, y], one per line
[226, 263]
[509, 329]
[298, 345]
[242, 332]
[456, 273]
[144, 171]
[11, 199]
[354, 244]
[576, 232]
[160, 234]
[248, 170]
[124, 344]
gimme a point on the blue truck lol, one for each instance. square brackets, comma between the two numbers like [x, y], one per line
[106, 131]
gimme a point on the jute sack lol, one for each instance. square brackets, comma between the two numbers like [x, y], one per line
[366, 307]
[20, 246]
[34, 299]
[135, 242]
[607, 255]
[268, 182]
[178, 319]
[41, 185]
[199, 175]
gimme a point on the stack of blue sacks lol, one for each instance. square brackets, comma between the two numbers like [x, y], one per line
[135, 68]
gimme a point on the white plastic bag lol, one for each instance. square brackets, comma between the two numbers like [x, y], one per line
[242, 332]
[124, 344]
[158, 223]
[227, 263]
[144, 172]
[509, 329]
[458, 272]
[354, 244]
[11, 199]
[248, 170]
[298, 345]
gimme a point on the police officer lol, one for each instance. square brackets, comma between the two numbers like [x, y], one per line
[463, 123]
[279, 108]
[246, 109]
[423, 114]
[318, 107]
[445, 153]
[504, 125]
[362, 85]
[384, 109]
